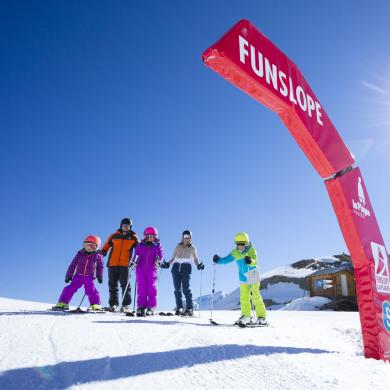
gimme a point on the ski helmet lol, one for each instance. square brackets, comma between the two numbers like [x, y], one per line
[150, 231]
[187, 233]
[241, 237]
[126, 221]
[94, 239]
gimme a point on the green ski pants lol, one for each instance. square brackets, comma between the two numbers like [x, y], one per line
[257, 300]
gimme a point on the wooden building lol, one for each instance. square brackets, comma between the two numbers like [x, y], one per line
[334, 282]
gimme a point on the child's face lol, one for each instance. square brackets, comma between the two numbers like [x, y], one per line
[90, 246]
[240, 246]
[150, 237]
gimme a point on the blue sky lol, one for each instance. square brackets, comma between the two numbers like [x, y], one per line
[107, 111]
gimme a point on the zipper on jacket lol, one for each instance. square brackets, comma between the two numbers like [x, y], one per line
[120, 253]
[86, 263]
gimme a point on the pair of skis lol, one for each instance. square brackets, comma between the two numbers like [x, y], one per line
[161, 313]
[240, 324]
[78, 310]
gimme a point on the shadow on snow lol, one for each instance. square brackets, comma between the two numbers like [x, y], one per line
[65, 374]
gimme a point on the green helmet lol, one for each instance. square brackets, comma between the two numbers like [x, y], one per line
[241, 237]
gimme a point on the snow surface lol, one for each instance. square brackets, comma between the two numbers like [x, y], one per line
[327, 259]
[306, 303]
[301, 350]
[287, 271]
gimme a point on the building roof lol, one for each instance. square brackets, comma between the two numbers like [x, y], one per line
[332, 270]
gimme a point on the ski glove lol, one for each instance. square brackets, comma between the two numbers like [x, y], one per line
[216, 258]
[102, 252]
[68, 279]
[164, 264]
[100, 280]
[200, 266]
[248, 260]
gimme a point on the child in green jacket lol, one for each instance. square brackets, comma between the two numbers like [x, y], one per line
[246, 259]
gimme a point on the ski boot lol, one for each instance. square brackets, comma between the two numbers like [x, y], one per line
[61, 306]
[179, 311]
[141, 312]
[261, 321]
[149, 311]
[125, 309]
[188, 312]
[244, 320]
[95, 307]
[111, 309]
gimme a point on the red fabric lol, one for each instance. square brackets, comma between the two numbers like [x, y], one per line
[364, 240]
[322, 144]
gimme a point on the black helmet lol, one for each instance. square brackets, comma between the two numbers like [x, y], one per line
[126, 221]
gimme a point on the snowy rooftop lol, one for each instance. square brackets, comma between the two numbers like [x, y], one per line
[288, 271]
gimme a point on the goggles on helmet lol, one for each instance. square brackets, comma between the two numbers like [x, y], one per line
[187, 236]
[92, 244]
[241, 243]
[149, 236]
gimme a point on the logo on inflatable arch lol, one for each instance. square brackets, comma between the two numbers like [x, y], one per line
[359, 206]
[382, 275]
[386, 315]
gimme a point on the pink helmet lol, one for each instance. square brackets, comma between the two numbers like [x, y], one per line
[150, 231]
[95, 239]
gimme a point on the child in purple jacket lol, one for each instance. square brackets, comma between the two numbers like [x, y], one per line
[81, 271]
[147, 257]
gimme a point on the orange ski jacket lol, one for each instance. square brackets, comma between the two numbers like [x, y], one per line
[121, 246]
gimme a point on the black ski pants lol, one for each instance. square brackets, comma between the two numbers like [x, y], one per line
[121, 275]
[181, 274]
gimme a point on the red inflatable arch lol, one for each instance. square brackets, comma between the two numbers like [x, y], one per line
[250, 61]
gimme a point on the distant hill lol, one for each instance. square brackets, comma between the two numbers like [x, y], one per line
[280, 286]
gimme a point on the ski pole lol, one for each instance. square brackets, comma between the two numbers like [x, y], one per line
[127, 286]
[135, 293]
[158, 278]
[213, 291]
[200, 291]
[251, 300]
[135, 261]
[159, 272]
[79, 306]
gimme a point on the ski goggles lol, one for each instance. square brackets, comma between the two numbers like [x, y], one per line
[187, 236]
[150, 236]
[241, 243]
[88, 243]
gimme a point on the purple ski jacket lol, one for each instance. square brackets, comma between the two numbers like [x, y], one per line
[85, 263]
[149, 254]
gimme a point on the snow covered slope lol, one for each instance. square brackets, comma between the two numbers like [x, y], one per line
[316, 350]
